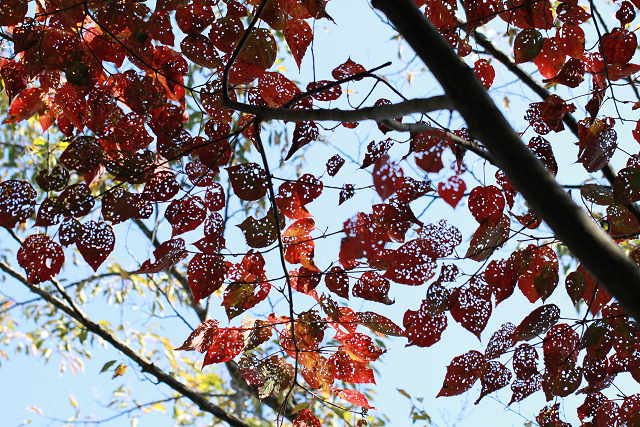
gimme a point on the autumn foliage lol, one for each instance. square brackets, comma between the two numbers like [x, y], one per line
[112, 80]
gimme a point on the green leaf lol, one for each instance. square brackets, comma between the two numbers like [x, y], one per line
[107, 365]
[527, 45]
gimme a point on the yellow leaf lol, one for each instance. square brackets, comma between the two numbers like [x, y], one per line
[34, 409]
[120, 370]
[73, 401]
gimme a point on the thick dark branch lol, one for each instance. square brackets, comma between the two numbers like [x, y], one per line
[381, 112]
[608, 172]
[586, 240]
[145, 364]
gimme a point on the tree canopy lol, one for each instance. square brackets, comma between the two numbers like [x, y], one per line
[164, 159]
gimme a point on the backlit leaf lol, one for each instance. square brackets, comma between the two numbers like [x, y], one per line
[462, 373]
[249, 181]
[17, 202]
[166, 256]
[96, 243]
[41, 257]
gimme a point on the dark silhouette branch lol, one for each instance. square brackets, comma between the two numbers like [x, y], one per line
[587, 241]
[490, 48]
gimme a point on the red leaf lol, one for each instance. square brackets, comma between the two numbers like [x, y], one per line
[373, 287]
[41, 257]
[226, 32]
[412, 264]
[537, 322]
[304, 280]
[572, 74]
[598, 142]
[161, 187]
[462, 373]
[240, 297]
[25, 105]
[206, 274]
[69, 231]
[77, 200]
[626, 14]
[337, 282]
[548, 115]
[260, 49]
[119, 205]
[486, 202]
[541, 148]
[304, 133]
[334, 164]
[262, 232]
[353, 396]
[229, 344]
[15, 77]
[452, 190]
[306, 418]
[630, 411]
[572, 13]
[96, 243]
[84, 154]
[429, 146]
[540, 278]
[200, 50]
[349, 370]
[471, 306]
[276, 90]
[379, 324]
[441, 238]
[17, 202]
[525, 14]
[571, 40]
[386, 176]
[194, 18]
[215, 197]
[348, 69]
[626, 187]
[495, 377]
[480, 12]
[185, 214]
[502, 278]
[298, 35]
[501, 341]
[202, 337]
[346, 193]
[489, 236]
[483, 69]
[73, 106]
[560, 347]
[166, 256]
[550, 60]
[422, 327]
[525, 366]
[618, 46]
[293, 196]
[330, 94]
[549, 416]
[54, 181]
[249, 181]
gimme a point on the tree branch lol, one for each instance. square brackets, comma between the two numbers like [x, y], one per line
[589, 243]
[145, 364]
[380, 112]
[608, 171]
